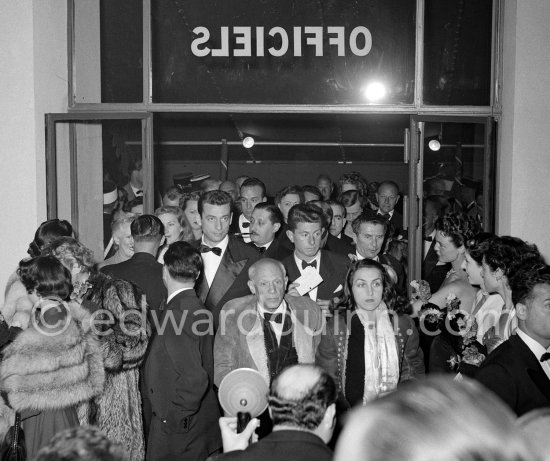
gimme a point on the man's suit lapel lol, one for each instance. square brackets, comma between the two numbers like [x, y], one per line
[228, 271]
[533, 367]
[256, 348]
[431, 258]
[326, 271]
[292, 270]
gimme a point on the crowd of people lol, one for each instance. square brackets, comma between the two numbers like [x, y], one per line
[123, 358]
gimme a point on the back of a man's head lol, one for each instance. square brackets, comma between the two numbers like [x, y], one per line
[300, 396]
[82, 444]
[147, 231]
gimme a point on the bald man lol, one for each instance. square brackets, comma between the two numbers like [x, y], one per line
[266, 331]
[302, 405]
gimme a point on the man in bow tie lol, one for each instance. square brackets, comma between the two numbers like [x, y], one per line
[226, 259]
[134, 188]
[518, 370]
[265, 222]
[266, 331]
[252, 192]
[306, 225]
[387, 196]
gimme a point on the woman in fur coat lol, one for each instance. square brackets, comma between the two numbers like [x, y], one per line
[119, 316]
[53, 364]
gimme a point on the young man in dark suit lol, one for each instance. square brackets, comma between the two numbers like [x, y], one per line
[226, 258]
[265, 222]
[251, 193]
[302, 405]
[370, 234]
[306, 224]
[142, 268]
[518, 370]
[179, 371]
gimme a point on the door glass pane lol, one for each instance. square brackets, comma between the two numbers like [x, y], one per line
[283, 52]
[457, 52]
[108, 51]
[93, 163]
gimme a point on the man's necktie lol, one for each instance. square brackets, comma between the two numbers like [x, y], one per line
[312, 264]
[428, 239]
[545, 357]
[245, 225]
[205, 249]
[277, 318]
[261, 249]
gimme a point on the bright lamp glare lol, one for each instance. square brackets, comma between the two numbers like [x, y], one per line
[434, 145]
[375, 91]
[248, 142]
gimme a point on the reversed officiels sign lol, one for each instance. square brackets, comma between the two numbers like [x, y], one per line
[246, 41]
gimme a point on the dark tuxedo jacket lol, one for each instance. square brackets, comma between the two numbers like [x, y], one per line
[179, 377]
[401, 285]
[283, 445]
[144, 270]
[275, 251]
[333, 269]
[283, 238]
[431, 272]
[341, 246]
[514, 373]
[231, 279]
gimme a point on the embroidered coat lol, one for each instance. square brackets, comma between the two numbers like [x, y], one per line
[332, 353]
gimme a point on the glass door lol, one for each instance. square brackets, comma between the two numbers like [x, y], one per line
[452, 159]
[88, 168]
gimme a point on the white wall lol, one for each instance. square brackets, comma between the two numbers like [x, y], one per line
[33, 54]
[524, 157]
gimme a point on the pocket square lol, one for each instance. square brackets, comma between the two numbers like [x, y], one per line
[338, 288]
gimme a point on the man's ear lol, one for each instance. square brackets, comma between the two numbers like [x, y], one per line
[116, 240]
[251, 286]
[290, 235]
[263, 200]
[521, 311]
[277, 226]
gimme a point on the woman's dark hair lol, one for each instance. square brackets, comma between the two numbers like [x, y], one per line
[459, 227]
[507, 253]
[69, 250]
[47, 276]
[48, 231]
[477, 246]
[388, 294]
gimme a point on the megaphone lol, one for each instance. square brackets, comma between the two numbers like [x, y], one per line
[243, 393]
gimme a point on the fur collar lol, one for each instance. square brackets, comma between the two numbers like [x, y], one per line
[41, 372]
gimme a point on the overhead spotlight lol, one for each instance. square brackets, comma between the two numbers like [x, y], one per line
[375, 91]
[434, 145]
[248, 142]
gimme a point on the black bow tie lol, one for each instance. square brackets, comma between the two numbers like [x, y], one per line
[312, 264]
[261, 249]
[545, 357]
[245, 225]
[277, 318]
[138, 192]
[428, 239]
[205, 249]
[386, 216]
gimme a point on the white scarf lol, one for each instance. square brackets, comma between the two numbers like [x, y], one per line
[381, 357]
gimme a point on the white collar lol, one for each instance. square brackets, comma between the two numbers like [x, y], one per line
[266, 246]
[135, 190]
[535, 347]
[389, 212]
[317, 258]
[280, 310]
[175, 293]
[221, 245]
[360, 258]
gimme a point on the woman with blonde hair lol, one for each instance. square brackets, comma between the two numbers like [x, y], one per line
[176, 227]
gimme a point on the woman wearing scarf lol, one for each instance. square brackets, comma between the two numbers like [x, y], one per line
[367, 348]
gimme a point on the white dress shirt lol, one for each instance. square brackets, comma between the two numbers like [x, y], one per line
[175, 293]
[212, 261]
[312, 293]
[360, 258]
[244, 230]
[536, 348]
